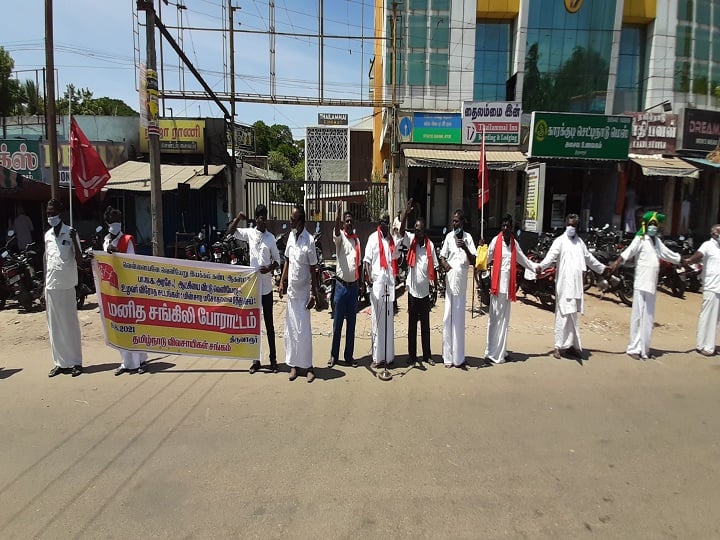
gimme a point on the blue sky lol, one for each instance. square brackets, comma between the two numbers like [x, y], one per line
[94, 49]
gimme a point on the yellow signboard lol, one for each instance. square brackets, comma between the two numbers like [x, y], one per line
[178, 307]
[177, 137]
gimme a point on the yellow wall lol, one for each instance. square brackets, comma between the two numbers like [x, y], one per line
[497, 9]
[639, 11]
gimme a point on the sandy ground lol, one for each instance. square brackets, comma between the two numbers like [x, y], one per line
[537, 448]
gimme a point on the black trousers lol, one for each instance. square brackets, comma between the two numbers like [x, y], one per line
[419, 309]
[267, 307]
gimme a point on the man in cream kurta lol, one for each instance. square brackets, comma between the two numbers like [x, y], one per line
[456, 256]
[709, 253]
[572, 257]
[647, 249]
[299, 280]
[380, 272]
[502, 288]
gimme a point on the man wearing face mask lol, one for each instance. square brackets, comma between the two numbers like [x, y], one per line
[648, 249]
[572, 257]
[264, 257]
[380, 270]
[421, 273]
[456, 256]
[117, 242]
[709, 253]
[504, 253]
[62, 255]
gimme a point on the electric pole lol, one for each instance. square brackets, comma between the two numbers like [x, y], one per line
[50, 119]
[153, 130]
[233, 163]
[393, 116]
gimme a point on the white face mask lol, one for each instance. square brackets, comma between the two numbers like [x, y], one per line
[652, 230]
[54, 221]
[114, 228]
[570, 230]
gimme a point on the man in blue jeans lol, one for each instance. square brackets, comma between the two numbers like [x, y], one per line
[347, 279]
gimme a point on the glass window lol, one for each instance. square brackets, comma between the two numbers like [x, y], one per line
[567, 60]
[685, 10]
[438, 69]
[631, 68]
[440, 32]
[702, 14]
[418, 4]
[682, 76]
[441, 5]
[716, 16]
[416, 69]
[702, 44]
[716, 43]
[700, 78]
[417, 31]
[683, 41]
[492, 60]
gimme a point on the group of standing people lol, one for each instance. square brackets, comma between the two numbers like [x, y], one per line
[378, 267]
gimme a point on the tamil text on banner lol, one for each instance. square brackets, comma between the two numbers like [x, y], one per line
[178, 307]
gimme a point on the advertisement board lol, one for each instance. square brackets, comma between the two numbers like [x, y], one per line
[22, 157]
[501, 120]
[171, 306]
[582, 136]
[177, 137]
[653, 133]
[701, 130]
[436, 128]
[534, 197]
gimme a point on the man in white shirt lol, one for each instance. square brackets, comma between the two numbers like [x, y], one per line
[503, 253]
[421, 273]
[572, 257]
[380, 271]
[456, 256]
[347, 277]
[709, 253]
[264, 257]
[299, 280]
[62, 255]
[648, 249]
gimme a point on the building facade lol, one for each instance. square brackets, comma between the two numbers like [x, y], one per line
[614, 83]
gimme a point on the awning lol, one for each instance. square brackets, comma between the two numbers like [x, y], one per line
[704, 162]
[464, 159]
[16, 186]
[135, 176]
[666, 167]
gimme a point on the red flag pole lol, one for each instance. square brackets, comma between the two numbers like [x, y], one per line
[70, 183]
[482, 182]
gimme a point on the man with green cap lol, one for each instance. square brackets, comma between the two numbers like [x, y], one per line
[647, 249]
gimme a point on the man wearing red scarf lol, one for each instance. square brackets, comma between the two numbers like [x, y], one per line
[421, 272]
[347, 276]
[503, 253]
[380, 271]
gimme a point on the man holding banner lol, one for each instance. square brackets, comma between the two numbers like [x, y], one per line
[264, 257]
[299, 280]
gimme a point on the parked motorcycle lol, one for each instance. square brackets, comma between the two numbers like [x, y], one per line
[540, 285]
[27, 283]
[281, 242]
[326, 273]
[621, 284]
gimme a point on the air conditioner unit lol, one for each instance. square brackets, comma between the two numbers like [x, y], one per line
[386, 166]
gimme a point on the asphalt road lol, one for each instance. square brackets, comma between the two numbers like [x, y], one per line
[537, 448]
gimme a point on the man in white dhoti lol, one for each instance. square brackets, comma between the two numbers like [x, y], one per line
[421, 273]
[116, 241]
[380, 270]
[62, 255]
[503, 253]
[264, 257]
[709, 253]
[299, 280]
[647, 249]
[456, 256]
[572, 257]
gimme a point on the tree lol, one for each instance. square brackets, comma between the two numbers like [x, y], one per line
[8, 86]
[81, 101]
[277, 137]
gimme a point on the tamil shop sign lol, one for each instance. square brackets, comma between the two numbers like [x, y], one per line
[177, 137]
[500, 119]
[653, 133]
[435, 128]
[21, 156]
[581, 136]
[701, 130]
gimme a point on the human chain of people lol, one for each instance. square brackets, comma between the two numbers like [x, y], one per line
[377, 266]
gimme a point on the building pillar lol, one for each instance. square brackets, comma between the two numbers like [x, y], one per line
[669, 202]
[456, 189]
[510, 190]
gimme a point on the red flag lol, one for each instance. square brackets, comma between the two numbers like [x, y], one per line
[89, 174]
[483, 175]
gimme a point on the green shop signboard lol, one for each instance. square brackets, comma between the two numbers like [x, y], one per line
[438, 128]
[21, 156]
[582, 136]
